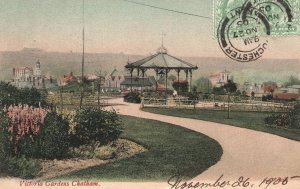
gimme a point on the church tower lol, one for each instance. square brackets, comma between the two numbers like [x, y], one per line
[37, 69]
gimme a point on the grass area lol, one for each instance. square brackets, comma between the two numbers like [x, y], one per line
[249, 120]
[171, 150]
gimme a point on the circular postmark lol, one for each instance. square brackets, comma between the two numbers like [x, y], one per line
[279, 14]
[243, 39]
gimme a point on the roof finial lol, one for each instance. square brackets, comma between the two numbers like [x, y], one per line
[162, 38]
[162, 49]
[128, 61]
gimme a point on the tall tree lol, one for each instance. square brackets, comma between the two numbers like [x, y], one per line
[203, 84]
[230, 87]
[292, 81]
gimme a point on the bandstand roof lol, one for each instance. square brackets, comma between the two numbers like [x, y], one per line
[161, 60]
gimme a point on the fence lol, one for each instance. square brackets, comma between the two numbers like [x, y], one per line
[73, 99]
[240, 105]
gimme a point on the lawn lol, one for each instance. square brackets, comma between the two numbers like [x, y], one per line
[250, 120]
[171, 150]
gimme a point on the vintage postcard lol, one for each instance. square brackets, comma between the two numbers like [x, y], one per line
[150, 94]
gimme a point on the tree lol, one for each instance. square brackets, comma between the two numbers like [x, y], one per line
[172, 78]
[292, 81]
[95, 127]
[101, 77]
[181, 86]
[230, 87]
[204, 85]
[219, 91]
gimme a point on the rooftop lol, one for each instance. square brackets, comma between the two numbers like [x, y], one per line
[161, 60]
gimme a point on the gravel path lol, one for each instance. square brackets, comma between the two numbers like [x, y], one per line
[248, 153]
[251, 154]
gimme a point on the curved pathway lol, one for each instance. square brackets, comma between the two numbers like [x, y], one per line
[246, 153]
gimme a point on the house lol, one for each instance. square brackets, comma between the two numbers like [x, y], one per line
[220, 79]
[269, 87]
[286, 96]
[114, 79]
[24, 76]
[293, 89]
[139, 83]
[67, 78]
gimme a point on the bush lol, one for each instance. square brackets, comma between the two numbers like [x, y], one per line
[34, 133]
[22, 129]
[22, 167]
[133, 97]
[10, 95]
[287, 120]
[280, 120]
[95, 126]
[267, 97]
[4, 143]
[295, 114]
[26, 133]
[193, 96]
[181, 86]
[53, 140]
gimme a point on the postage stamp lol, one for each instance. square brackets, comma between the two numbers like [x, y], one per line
[241, 27]
[282, 15]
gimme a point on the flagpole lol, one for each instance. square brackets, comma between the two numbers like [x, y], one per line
[83, 53]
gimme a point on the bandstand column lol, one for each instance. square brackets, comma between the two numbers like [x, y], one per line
[187, 75]
[143, 77]
[131, 70]
[191, 77]
[178, 72]
[156, 79]
[138, 72]
[167, 80]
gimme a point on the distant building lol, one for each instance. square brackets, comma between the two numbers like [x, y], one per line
[294, 89]
[114, 79]
[286, 96]
[31, 77]
[67, 79]
[247, 89]
[288, 93]
[220, 79]
[269, 87]
[139, 83]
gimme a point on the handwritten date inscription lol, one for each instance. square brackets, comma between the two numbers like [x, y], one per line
[176, 182]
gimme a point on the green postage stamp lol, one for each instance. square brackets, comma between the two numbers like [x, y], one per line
[283, 16]
[242, 27]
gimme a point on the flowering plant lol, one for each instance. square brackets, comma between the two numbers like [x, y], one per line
[25, 121]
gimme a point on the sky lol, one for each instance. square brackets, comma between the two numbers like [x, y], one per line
[115, 26]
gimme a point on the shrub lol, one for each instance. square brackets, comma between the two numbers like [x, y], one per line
[193, 96]
[27, 132]
[289, 119]
[53, 139]
[181, 86]
[295, 114]
[34, 132]
[10, 95]
[95, 126]
[23, 127]
[22, 167]
[32, 97]
[4, 143]
[267, 97]
[133, 97]
[280, 120]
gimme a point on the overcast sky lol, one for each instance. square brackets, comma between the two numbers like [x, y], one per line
[114, 26]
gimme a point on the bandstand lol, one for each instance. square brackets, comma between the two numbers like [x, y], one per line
[162, 63]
